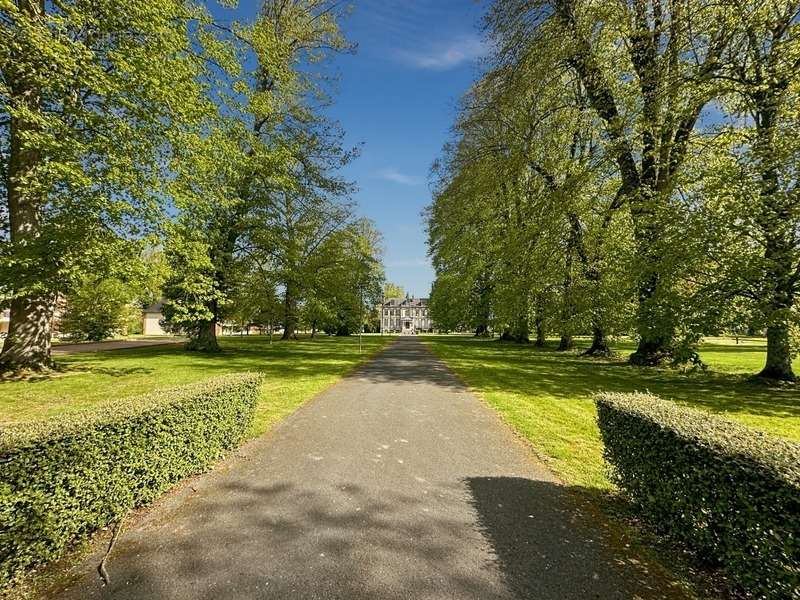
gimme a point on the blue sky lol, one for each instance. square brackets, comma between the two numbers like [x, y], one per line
[397, 98]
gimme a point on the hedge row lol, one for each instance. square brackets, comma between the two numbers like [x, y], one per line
[63, 479]
[730, 493]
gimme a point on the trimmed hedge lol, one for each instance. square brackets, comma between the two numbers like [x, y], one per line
[730, 493]
[60, 480]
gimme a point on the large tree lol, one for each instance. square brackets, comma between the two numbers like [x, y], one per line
[92, 97]
[528, 186]
[648, 68]
[750, 183]
[273, 182]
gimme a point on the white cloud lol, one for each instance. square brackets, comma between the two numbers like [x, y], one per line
[396, 176]
[443, 56]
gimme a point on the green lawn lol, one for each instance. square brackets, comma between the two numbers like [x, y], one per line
[546, 395]
[294, 371]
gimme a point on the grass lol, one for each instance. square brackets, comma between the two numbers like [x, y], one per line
[295, 371]
[545, 395]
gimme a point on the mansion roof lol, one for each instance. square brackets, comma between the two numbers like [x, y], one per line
[405, 302]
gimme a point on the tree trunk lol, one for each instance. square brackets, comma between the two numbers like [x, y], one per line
[778, 230]
[568, 309]
[482, 330]
[655, 333]
[650, 352]
[599, 345]
[313, 329]
[518, 336]
[566, 342]
[779, 357]
[540, 333]
[594, 275]
[27, 346]
[655, 323]
[521, 333]
[205, 338]
[289, 314]
[483, 305]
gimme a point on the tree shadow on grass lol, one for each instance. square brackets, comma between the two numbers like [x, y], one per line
[254, 353]
[526, 370]
[114, 372]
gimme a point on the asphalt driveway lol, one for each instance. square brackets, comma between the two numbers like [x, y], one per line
[114, 345]
[395, 484]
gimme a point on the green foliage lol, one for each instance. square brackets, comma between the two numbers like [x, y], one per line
[585, 193]
[730, 493]
[146, 106]
[448, 308]
[254, 301]
[96, 98]
[99, 309]
[316, 315]
[95, 128]
[63, 479]
[264, 200]
[108, 301]
[192, 291]
[392, 290]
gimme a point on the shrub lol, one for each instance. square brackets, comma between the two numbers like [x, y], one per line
[61, 480]
[730, 493]
[99, 309]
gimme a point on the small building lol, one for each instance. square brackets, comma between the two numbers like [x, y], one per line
[153, 315]
[151, 319]
[407, 316]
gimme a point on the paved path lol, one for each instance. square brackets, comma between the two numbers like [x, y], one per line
[114, 345]
[395, 484]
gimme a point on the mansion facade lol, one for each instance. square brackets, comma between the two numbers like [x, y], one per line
[407, 316]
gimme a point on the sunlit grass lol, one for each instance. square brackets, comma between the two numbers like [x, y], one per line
[294, 371]
[546, 395]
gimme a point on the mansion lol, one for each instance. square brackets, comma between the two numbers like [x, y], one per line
[405, 315]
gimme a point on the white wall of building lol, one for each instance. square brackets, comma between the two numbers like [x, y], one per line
[405, 319]
[151, 325]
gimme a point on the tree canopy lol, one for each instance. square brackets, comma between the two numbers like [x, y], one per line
[626, 168]
[132, 126]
